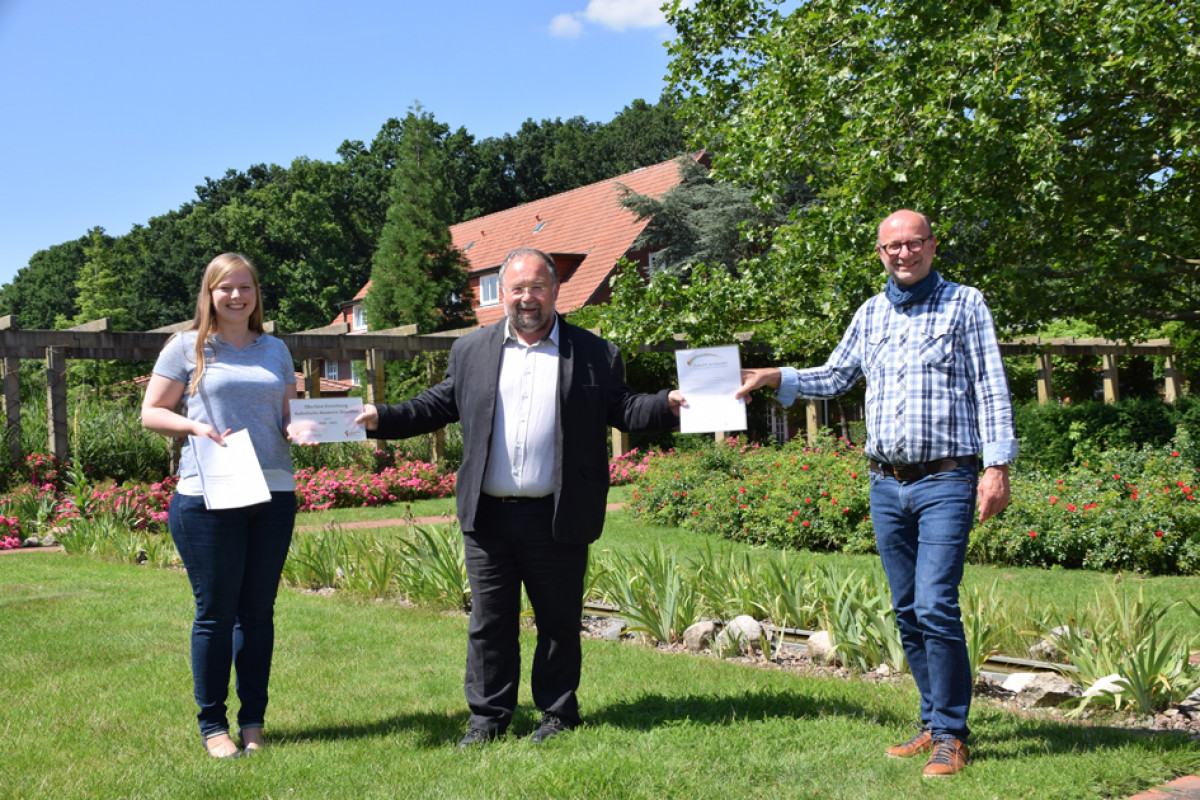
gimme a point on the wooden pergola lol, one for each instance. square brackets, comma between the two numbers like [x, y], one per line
[96, 340]
[1108, 351]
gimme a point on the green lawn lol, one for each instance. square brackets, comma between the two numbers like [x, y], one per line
[367, 702]
[1063, 590]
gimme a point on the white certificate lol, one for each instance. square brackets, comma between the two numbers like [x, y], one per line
[326, 419]
[709, 377]
[230, 475]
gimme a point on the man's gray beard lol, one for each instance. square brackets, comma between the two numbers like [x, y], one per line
[526, 324]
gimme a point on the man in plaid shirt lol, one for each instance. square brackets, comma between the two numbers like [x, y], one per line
[937, 403]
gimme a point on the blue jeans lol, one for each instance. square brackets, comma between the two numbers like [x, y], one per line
[921, 529]
[234, 558]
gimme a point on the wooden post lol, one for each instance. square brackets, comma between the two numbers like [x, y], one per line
[1112, 387]
[811, 421]
[437, 449]
[373, 379]
[313, 369]
[56, 402]
[12, 408]
[1171, 380]
[1045, 373]
[620, 443]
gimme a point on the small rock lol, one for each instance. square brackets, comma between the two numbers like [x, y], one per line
[699, 636]
[32, 541]
[883, 671]
[1047, 690]
[740, 635]
[1018, 681]
[1047, 649]
[612, 629]
[820, 648]
[49, 541]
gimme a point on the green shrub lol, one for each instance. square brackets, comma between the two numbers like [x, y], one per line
[1054, 436]
[1128, 510]
[792, 496]
[1125, 509]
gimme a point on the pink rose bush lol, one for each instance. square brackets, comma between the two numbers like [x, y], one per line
[10, 533]
[629, 467]
[318, 490]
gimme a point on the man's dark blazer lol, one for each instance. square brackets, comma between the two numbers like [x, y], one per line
[592, 396]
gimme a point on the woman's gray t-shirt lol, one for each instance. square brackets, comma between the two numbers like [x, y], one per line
[240, 389]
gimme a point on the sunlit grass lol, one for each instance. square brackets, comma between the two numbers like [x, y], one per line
[367, 703]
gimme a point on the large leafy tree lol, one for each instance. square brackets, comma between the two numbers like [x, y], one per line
[417, 275]
[1054, 143]
[313, 227]
[702, 220]
[45, 289]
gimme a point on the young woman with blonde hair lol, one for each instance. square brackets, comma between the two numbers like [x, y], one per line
[229, 374]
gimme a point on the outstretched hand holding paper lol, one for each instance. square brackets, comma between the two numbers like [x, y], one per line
[709, 377]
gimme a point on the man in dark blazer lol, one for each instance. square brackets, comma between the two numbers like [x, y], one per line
[536, 397]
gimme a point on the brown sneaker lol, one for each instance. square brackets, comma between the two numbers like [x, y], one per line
[949, 756]
[921, 743]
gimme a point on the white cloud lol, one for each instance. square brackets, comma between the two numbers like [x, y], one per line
[616, 15]
[566, 26]
[621, 14]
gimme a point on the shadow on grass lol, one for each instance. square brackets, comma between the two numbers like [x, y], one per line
[653, 710]
[434, 730]
[996, 737]
[1024, 738]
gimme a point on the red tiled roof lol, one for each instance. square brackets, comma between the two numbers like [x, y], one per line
[587, 223]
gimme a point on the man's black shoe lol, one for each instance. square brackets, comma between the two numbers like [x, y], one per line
[552, 725]
[478, 736]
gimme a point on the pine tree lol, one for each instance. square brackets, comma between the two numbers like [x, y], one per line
[417, 275]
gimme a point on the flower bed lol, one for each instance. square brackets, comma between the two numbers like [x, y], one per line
[1123, 510]
[318, 490]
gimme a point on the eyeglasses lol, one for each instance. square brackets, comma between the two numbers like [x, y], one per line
[536, 290]
[913, 245]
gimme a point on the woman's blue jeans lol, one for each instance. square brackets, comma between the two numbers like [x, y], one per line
[922, 528]
[234, 558]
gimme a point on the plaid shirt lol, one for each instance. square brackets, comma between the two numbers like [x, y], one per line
[936, 386]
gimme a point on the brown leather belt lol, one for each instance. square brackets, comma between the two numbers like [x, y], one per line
[912, 472]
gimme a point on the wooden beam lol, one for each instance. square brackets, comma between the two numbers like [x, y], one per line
[1112, 385]
[811, 421]
[313, 367]
[336, 329]
[1171, 380]
[56, 403]
[403, 330]
[1045, 373]
[373, 382]
[101, 325]
[174, 327]
[8, 322]
[620, 443]
[11, 382]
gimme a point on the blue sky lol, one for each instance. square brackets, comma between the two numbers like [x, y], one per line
[114, 111]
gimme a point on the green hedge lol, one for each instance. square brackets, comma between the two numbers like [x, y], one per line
[1127, 509]
[1056, 436]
